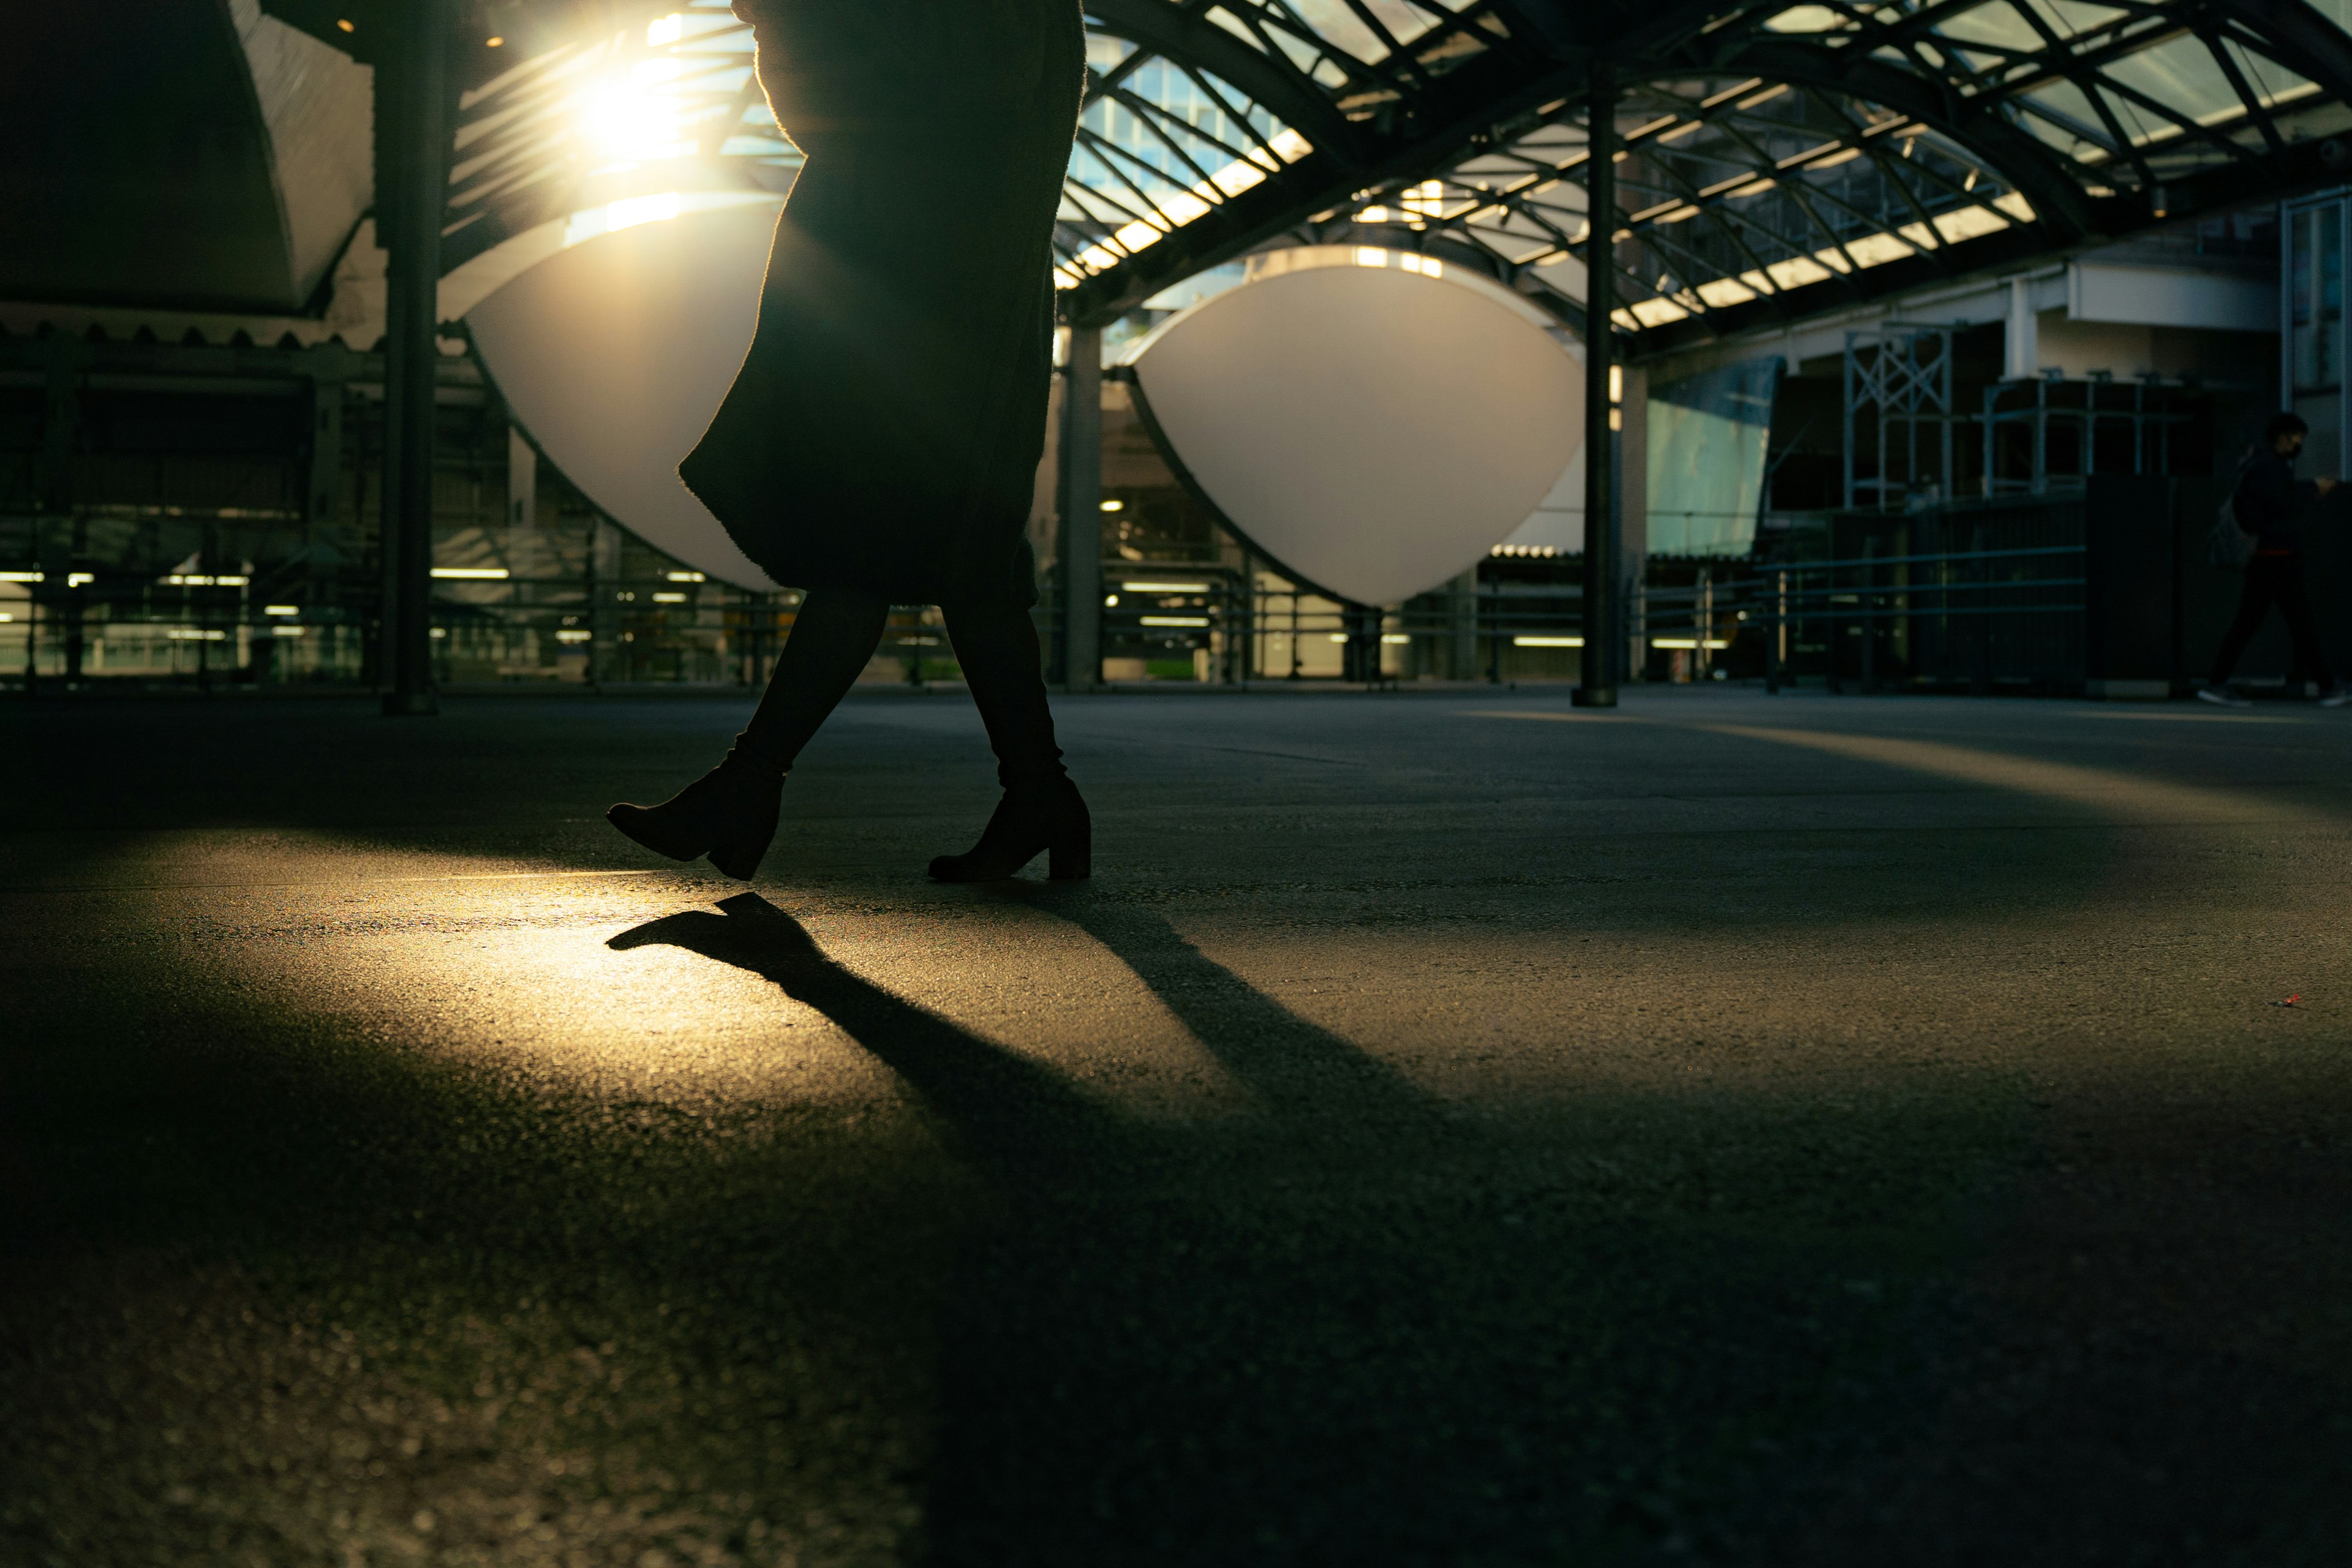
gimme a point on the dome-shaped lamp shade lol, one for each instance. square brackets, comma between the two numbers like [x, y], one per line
[614, 354]
[1373, 430]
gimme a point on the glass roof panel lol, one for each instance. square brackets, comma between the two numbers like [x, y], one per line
[1997, 24]
[2068, 19]
[2182, 75]
[1809, 19]
[2273, 83]
[1343, 29]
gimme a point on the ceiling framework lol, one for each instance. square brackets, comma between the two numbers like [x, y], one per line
[1778, 161]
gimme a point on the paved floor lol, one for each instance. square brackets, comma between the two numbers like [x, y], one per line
[1449, 1130]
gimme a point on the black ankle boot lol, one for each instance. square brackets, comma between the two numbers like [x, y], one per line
[1045, 814]
[728, 813]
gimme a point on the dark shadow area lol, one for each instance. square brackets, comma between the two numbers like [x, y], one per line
[1354, 1330]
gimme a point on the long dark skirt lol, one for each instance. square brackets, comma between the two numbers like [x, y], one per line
[885, 431]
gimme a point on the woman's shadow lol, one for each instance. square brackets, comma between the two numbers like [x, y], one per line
[1093, 1334]
[1342, 1328]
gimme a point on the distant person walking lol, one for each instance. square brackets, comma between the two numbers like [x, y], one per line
[2270, 500]
[879, 444]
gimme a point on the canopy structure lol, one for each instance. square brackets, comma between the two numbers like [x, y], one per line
[1778, 161]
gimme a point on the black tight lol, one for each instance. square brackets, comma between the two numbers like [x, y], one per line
[836, 634]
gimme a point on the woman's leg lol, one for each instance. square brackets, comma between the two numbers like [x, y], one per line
[833, 639]
[997, 647]
[1042, 811]
[729, 813]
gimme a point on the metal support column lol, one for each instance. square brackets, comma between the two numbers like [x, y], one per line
[1598, 685]
[64, 537]
[1081, 489]
[413, 162]
[1463, 599]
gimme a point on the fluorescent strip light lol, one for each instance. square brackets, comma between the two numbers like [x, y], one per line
[1174, 620]
[669, 598]
[1546, 642]
[1685, 643]
[1165, 587]
[22, 577]
[472, 574]
[685, 576]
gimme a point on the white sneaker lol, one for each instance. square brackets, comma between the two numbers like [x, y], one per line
[2221, 696]
[2337, 697]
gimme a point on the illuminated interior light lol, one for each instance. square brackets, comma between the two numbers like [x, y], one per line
[76, 579]
[669, 598]
[1396, 637]
[1114, 506]
[1370, 255]
[440, 631]
[196, 634]
[1109, 600]
[346, 27]
[665, 29]
[281, 609]
[686, 577]
[287, 629]
[572, 636]
[1173, 620]
[472, 574]
[494, 43]
[22, 577]
[1546, 642]
[1165, 587]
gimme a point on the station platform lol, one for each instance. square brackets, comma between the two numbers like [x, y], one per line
[1465, 1130]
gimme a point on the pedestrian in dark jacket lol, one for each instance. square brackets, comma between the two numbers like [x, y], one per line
[880, 442]
[2271, 504]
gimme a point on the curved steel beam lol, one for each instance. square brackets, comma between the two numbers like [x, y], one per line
[2066, 212]
[2316, 48]
[1183, 36]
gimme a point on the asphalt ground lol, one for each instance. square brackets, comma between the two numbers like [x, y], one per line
[1448, 1130]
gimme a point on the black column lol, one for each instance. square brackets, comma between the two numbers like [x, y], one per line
[1081, 507]
[1598, 688]
[412, 173]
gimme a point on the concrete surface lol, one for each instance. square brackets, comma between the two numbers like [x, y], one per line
[1448, 1130]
